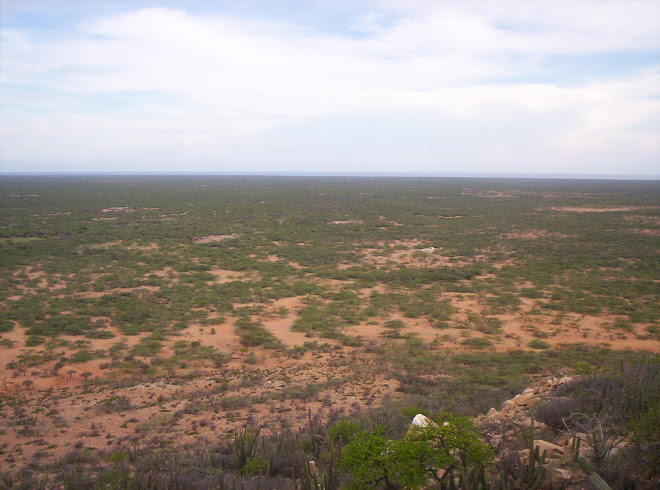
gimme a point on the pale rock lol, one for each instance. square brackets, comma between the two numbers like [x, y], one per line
[616, 450]
[559, 477]
[553, 450]
[495, 440]
[526, 423]
[525, 400]
[494, 415]
[422, 421]
[508, 406]
[524, 456]
[585, 449]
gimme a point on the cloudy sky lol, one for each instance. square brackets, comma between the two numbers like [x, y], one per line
[418, 86]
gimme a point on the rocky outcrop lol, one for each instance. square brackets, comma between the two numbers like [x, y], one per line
[508, 429]
[558, 459]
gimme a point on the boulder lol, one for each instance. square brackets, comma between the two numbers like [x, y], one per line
[618, 449]
[560, 477]
[525, 400]
[494, 415]
[508, 406]
[553, 450]
[585, 449]
[495, 440]
[422, 421]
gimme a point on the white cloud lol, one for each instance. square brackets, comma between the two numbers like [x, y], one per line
[162, 86]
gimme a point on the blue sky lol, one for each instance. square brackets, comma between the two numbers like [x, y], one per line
[343, 86]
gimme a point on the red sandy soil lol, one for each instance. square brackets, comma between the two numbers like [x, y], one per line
[346, 378]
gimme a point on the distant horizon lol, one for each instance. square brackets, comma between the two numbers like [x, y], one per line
[493, 175]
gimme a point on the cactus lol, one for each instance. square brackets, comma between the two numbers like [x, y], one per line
[594, 478]
[533, 473]
[244, 446]
[575, 448]
[310, 478]
[471, 478]
[316, 432]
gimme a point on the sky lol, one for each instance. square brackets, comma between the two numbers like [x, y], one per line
[331, 86]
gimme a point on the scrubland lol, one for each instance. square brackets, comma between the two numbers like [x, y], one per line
[206, 332]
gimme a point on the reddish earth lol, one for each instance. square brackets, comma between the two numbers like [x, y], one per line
[191, 400]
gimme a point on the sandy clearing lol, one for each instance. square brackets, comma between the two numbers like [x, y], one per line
[599, 209]
[648, 231]
[347, 222]
[533, 235]
[281, 328]
[99, 294]
[215, 238]
[226, 275]
[224, 339]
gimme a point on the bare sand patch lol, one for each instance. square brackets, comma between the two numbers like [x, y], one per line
[651, 220]
[421, 327]
[107, 292]
[165, 272]
[367, 331]
[105, 245]
[409, 252]
[126, 209]
[384, 218]
[150, 246]
[600, 209]
[281, 328]
[533, 235]
[488, 193]
[215, 238]
[648, 231]
[225, 275]
[224, 339]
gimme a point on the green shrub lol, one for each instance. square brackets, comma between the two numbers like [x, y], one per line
[477, 342]
[34, 340]
[343, 430]
[539, 344]
[7, 343]
[6, 326]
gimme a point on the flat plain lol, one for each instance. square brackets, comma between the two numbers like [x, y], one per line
[172, 314]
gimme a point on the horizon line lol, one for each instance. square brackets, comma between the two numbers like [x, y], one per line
[539, 175]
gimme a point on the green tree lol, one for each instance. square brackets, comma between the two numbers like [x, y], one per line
[374, 460]
[447, 448]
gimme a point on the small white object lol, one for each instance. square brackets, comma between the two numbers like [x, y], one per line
[421, 420]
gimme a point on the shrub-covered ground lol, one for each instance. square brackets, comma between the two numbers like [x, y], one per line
[162, 327]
